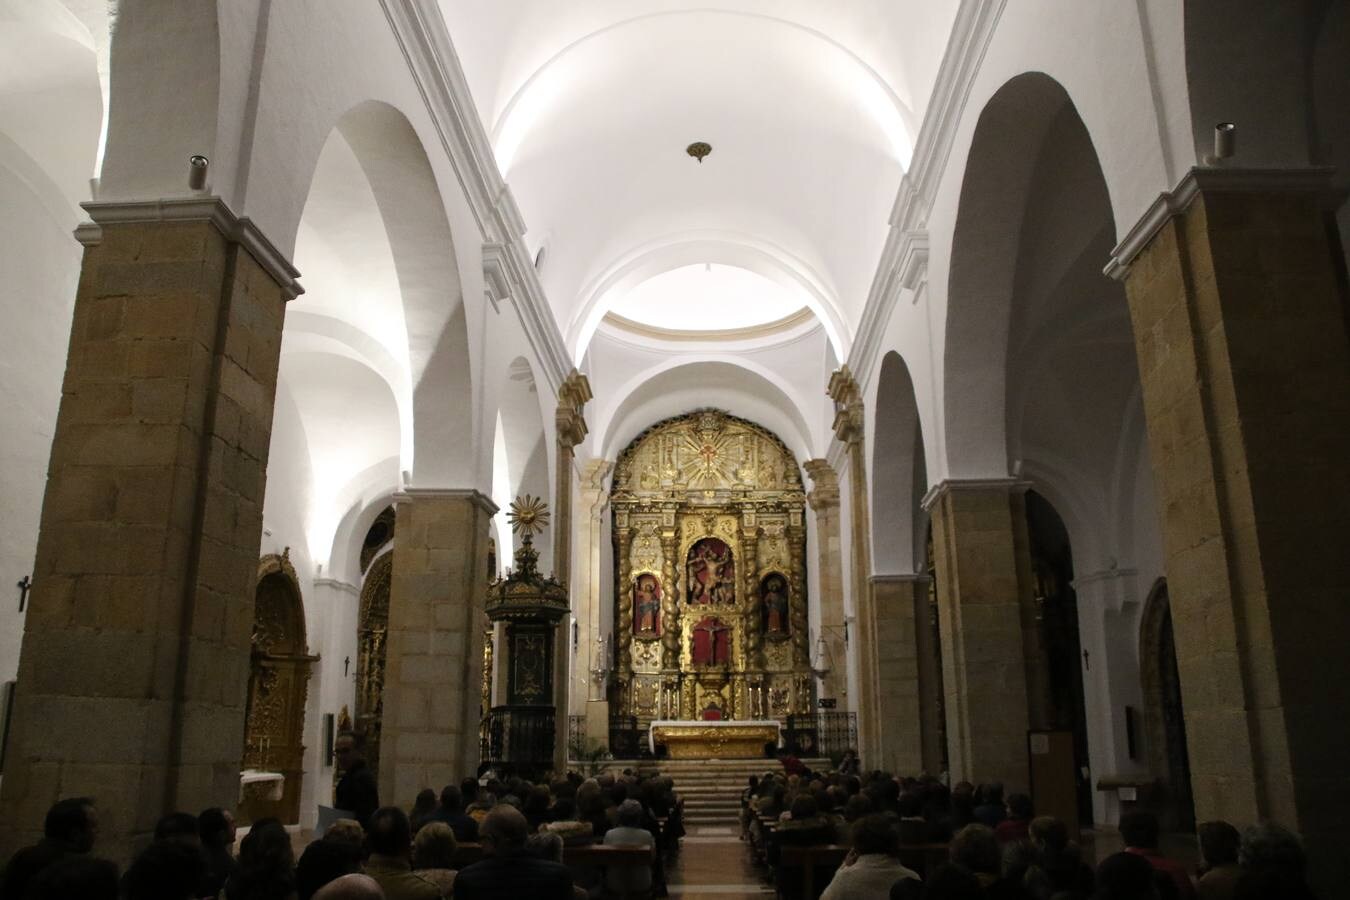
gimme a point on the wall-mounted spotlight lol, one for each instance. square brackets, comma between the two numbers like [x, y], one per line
[1225, 143]
[197, 166]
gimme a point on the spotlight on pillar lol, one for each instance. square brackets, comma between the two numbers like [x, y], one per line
[197, 166]
[1225, 143]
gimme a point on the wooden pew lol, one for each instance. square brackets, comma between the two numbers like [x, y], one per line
[806, 860]
[922, 858]
[574, 857]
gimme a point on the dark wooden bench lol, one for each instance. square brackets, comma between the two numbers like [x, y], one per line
[808, 860]
[577, 856]
[818, 858]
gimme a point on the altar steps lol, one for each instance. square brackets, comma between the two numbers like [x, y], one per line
[712, 788]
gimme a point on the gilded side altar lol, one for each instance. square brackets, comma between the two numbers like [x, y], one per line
[710, 551]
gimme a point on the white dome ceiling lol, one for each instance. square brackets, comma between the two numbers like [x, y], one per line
[707, 298]
[810, 109]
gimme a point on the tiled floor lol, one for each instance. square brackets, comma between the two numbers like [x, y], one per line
[714, 865]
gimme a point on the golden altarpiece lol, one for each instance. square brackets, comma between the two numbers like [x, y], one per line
[710, 553]
[279, 669]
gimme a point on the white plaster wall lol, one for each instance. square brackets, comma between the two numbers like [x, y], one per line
[39, 268]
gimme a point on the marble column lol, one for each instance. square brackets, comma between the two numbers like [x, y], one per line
[823, 499]
[570, 424]
[1236, 287]
[588, 691]
[848, 430]
[135, 655]
[898, 602]
[984, 582]
[434, 655]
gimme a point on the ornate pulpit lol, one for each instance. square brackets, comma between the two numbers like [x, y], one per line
[519, 735]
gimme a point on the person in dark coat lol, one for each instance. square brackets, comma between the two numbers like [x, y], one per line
[506, 871]
[357, 791]
[70, 829]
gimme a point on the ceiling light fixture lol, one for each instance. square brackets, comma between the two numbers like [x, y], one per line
[698, 150]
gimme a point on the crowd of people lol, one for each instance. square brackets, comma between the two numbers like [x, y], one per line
[995, 846]
[517, 828]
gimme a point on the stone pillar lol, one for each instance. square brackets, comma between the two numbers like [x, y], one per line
[135, 657]
[932, 715]
[434, 656]
[898, 601]
[588, 692]
[848, 429]
[824, 502]
[984, 583]
[571, 430]
[1237, 294]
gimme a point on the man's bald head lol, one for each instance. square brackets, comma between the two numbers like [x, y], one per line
[351, 887]
[504, 830]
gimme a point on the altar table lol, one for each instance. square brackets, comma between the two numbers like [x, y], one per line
[713, 740]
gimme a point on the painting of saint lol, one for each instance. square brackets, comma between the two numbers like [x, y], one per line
[774, 592]
[712, 572]
[647, 606]
[711, 642]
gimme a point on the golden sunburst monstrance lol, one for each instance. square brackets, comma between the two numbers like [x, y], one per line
[528, 514]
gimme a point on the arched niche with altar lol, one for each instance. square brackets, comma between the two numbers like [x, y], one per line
[710, 559]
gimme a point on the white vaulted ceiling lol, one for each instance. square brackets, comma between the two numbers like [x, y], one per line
[810, 108]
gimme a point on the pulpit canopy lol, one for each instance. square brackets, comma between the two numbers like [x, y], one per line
[524, 594]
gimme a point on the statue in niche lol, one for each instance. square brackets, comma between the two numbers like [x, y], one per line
[712, 573]
[773, 590]
[647, 606]
[711, 642]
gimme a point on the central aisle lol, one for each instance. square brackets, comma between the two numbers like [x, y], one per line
[713, 864]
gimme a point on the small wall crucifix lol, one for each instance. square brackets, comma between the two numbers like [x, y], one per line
[1087, 661]
[24, 584]
[346, 665]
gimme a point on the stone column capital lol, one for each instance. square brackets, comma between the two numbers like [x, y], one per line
[848, 407]
[824, 493]
[1315, 180]
[177, 210]
[595, 475]
[422, 495]
[573, 396]
[953, 485]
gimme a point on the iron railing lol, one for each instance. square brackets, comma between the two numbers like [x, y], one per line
[576, 737]
[821, 734]
[519, 738]
[625, 741]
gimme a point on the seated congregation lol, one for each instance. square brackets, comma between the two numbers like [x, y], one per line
[815, 835]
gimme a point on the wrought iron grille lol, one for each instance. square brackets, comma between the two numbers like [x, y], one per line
[519, 738]
[576, 737]
[821, 734]
[625, 742]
